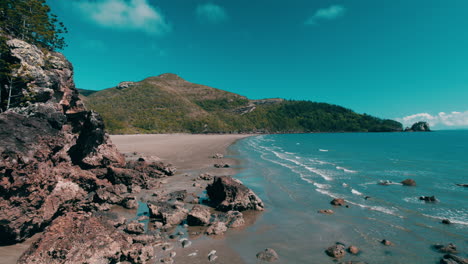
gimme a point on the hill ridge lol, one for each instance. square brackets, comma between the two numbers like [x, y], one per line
[167, 103]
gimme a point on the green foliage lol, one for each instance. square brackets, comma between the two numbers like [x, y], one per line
[159, 105]
[32, 21]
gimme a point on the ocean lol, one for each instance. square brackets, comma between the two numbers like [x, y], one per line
[298, 174]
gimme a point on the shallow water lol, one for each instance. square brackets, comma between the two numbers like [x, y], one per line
[296, 175]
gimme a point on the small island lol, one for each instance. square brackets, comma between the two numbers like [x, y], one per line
[420, 126]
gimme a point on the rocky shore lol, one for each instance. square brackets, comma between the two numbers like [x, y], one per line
[64, 181]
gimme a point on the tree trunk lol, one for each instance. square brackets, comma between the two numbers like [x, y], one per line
[9, 94]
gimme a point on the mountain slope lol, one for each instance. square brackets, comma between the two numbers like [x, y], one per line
[168, 104]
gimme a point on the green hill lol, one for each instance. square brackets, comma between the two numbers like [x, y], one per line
[169, 104]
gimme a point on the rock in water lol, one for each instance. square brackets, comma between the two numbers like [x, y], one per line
[326, 211]
[429, 199]
[268, 255]
[450, 248]
[228, 194]
[336, 251]
[338, 202]
[386, 242]
[409, 182]
[446, 221]
[452, 259]
[353, 250]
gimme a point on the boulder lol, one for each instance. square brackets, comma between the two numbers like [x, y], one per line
[169, 214]
[409, 182]
[199, 216]
[336, 251]
[217, 228]
[226, 194]
[268, 255]
[338, 202]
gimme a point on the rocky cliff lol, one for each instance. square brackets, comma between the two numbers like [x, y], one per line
[55, 157]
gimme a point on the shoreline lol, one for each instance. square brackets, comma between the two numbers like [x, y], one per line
[192, 155]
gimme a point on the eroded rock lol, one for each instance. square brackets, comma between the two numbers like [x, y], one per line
[228, 194]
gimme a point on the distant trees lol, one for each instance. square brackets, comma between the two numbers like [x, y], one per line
[31, 21]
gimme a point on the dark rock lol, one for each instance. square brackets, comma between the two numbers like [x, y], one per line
[446, 221]
[462, 185]
[336, 251]
[452, 259]
[268, 255]
[199, 216]
[326, 211]
[429, 199]
[228, 194]
[450, 248]
[338, 202]
[386, 242]
[409, 182]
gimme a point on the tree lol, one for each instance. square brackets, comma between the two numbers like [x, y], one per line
[32, 21]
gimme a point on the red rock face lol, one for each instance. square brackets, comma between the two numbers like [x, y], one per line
[54, 154]
[99, 242]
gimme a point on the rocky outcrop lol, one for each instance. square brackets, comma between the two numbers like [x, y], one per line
[419, 127]
[170, 214]
[226, 194]
[125, 85]
[55, 157]
[81, 238]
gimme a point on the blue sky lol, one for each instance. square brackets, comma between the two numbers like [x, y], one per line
[392, 59]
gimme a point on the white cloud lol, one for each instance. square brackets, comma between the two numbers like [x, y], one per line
[453, 119]
[136, 15]
[211, 13]
[328, 13]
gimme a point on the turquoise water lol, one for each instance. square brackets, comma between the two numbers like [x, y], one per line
[298, 174]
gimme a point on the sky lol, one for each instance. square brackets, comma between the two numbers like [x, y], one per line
[404, 60]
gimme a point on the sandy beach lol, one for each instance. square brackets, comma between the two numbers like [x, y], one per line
[191, 155]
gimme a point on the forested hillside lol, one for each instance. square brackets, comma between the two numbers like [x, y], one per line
[169, 104]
